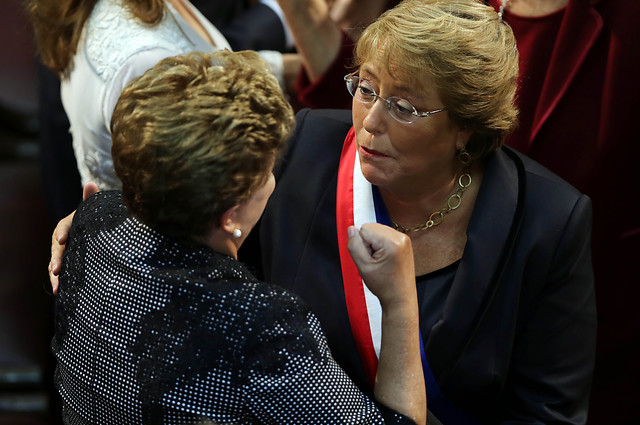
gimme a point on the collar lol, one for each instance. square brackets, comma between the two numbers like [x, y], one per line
[491, 236]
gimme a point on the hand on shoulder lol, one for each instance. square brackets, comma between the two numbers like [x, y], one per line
[59, 240]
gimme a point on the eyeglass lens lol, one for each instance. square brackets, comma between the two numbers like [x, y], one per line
[398, 108]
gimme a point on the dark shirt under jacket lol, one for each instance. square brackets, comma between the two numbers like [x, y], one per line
[515, 340]
[150, 330]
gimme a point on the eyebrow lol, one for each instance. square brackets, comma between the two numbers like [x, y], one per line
[407, 91]
[369, 72]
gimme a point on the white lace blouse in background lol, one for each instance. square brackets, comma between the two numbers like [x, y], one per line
[113, 50]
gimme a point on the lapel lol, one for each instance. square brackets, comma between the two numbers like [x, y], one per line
[579, 30]
[490, 237]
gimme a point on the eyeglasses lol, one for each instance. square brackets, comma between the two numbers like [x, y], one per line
[400, 109]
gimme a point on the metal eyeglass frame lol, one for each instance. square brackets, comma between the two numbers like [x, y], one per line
[353, 86]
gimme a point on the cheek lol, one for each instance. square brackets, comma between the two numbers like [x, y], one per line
[358, 114]
[271, 185]
[408, 141]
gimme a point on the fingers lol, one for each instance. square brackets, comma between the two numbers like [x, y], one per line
[58, 241]
[384, 258]
[89, 189]
[61, 232]
[53, 279]
[375, 241]
[383, 240]
[373, 236]
[360, 252]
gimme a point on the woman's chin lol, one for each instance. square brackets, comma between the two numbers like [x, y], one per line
[374, 174]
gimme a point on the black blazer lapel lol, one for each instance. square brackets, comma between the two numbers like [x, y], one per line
[490, 237]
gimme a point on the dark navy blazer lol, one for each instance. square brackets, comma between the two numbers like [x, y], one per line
[516, 338]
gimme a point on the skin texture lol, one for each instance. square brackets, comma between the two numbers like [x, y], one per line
[241, 217]
[352, 16]
[59, 239]
[316, 36]
[316, 27]
[534, 8]
[415, 165]
[396, 156]
[385, 262]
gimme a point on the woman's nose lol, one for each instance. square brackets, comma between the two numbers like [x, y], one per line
[377, 114]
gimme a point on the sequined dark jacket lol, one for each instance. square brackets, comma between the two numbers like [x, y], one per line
[150, 330]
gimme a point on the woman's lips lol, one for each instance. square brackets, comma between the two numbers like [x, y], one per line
[371, 153]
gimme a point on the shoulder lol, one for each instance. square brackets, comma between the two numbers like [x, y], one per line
[113, 36]
[542, 186]
[100, 211]
[257, 315]
[319, 134]
[522, 200]
[315, 145]
[225, 283]
[268, 305]
[550, 220]
[328, 119]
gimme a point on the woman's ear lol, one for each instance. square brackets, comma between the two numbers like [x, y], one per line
[228, 220]
[462, 138]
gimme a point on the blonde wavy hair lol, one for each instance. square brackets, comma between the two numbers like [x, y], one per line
[196, 135]
[471, 57]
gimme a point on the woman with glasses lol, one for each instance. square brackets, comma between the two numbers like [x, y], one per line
[501, 245]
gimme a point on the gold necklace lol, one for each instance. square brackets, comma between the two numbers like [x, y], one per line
[437, 217]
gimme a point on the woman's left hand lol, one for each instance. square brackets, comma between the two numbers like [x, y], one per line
[59, 239]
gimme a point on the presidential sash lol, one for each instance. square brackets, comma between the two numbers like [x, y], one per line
[358, 202]
[354, 208]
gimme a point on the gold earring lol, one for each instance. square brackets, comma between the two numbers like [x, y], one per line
[464, 156]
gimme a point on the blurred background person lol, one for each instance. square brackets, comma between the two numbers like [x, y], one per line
[325, 33]
[247, 25]
[577, 95]
[97, 46]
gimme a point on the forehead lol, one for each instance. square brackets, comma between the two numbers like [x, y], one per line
[399, 79]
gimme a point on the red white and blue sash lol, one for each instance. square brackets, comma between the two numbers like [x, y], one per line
[358, 202]
[355, 207]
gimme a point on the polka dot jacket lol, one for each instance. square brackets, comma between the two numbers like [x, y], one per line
[153, 331]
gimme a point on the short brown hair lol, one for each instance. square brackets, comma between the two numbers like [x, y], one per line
[471, 56]
[195, 135]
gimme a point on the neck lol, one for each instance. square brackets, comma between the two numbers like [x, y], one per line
[220, 241]
[413, 209]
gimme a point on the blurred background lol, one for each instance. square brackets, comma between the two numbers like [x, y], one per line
[26, 306]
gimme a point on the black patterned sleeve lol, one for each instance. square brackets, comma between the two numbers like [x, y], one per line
[291, 377]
